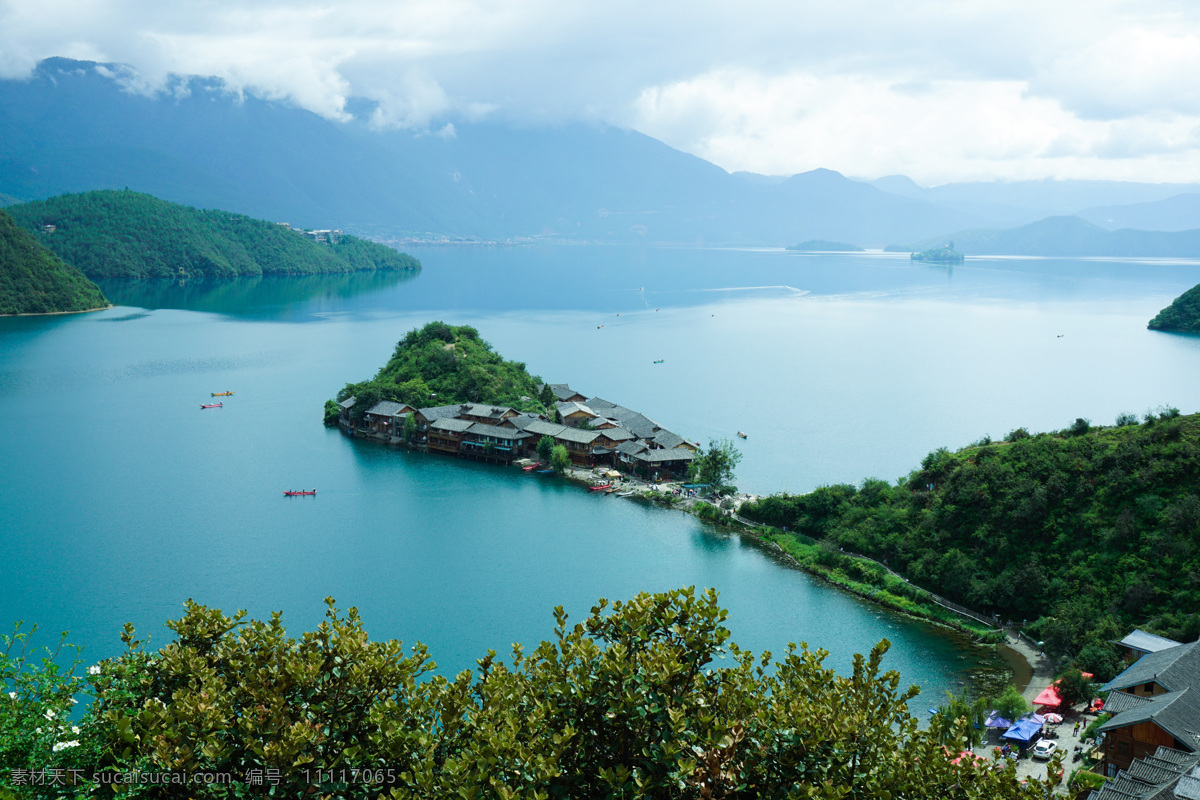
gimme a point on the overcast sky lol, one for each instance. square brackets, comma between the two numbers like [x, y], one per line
[940, 90]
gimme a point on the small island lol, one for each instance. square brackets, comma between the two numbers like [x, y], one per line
[939, 255]
[124, 234]
[823, 246]
[35, 281]
[1183, 315]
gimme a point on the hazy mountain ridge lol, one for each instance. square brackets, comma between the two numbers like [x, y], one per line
[1067, 237]
[70, 128]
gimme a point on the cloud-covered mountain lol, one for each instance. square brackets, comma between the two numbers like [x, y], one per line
[73, 127]
[1178, 213]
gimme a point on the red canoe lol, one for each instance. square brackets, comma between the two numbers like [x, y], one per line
[532, 466]
[602, 486]
[211, 405]
[295, 493]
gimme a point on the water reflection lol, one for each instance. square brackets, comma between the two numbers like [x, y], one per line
[289, 297]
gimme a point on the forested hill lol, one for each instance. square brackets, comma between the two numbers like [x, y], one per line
[1087, 532]
[1182, 315]
[35, 281]
[124, 234]
[441, 364]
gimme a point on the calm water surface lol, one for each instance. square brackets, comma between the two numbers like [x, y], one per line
[120, 498]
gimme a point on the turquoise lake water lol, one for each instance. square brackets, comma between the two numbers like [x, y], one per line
[120, 498]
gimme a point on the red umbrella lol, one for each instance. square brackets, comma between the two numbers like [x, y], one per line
[1048, 697]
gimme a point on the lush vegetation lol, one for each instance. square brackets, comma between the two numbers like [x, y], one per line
[35, 281]
[715, 466]
[124, 234]
[442, 364]
[946, 254]
[1086, 533]
[821, 245]
[1182, 315]
[632, 702]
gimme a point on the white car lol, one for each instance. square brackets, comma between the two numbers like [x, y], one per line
[1044, 748]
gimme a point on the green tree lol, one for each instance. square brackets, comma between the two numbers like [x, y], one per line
[715, 466]
[546, 397]
[410, 428]
[1010, 704]
[958, 722]
[1074, 688]
[560, 459]
[332, 411]
[545, 449]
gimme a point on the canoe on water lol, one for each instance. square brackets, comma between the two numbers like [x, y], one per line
[296, 493]
[222, 394]
[211, 405]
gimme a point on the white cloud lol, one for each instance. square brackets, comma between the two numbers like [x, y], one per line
[940, 89]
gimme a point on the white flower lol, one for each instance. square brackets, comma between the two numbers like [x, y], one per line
[94, 670]
[64, 745]
[74, 701]
[37, 730]
[13, 695]
[75, 729]
[49, 714]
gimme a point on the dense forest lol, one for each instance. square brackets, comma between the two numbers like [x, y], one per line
[441, 364]
[124, 234]
[1086, 532]
[35, 281]
[1182, 315]
[646, 698]
[946, 254]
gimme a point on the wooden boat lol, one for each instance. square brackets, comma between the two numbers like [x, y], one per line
[222, 394]
[600, 487]
[298, 492]
[661, 360]
[545, 471]
[532, 466]
[741, 434]
[211, 405]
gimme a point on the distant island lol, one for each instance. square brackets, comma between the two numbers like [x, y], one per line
[124, 234]
[823, 246]
[946, 254]
[1183, 315]
[1068, 237]
[33, 280]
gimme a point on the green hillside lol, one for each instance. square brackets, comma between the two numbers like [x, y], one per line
[1182, 315]
[1087, 532]
[442, 364]
[124, 234]
[35, 281]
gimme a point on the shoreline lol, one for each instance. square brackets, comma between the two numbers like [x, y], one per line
[57, 313]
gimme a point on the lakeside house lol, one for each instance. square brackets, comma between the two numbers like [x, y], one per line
[1155, 703]
[594, 431]
[1166, 774]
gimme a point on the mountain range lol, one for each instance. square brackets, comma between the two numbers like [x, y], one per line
[75, 126]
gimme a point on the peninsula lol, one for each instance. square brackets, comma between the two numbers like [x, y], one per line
[490, 409]
[1183, 315]
[1083, 533]
[33, 280]
[124, 234]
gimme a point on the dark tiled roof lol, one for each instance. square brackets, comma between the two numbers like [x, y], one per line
[543, 428]
[485, 410]
[1174, 756]
[1147, 642]
[497, 432]
[438, 412]
[387, 408]
[348, 402]
[1123, 701]
[618, 434]
[1177, 713]
[451, 424]
[567, 409]
[675, 454]
[631, 448]
[668, 440]
[1173, 668]
[563, 392]
[576, 435]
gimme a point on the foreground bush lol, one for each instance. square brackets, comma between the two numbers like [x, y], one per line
[625, 704]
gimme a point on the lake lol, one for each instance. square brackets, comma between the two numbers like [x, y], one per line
[121, 498]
